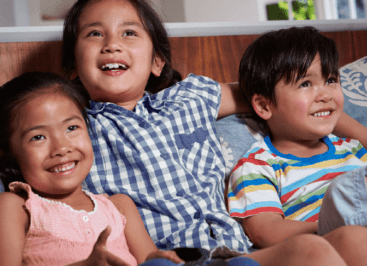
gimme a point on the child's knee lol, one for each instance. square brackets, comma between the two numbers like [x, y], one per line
[346, 235]
[310, 245]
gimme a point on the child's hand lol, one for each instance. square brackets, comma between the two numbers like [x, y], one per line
[100, 255]
[165, 254]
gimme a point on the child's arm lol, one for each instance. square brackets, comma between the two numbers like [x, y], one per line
[140, 244]
[253, 197]
[347, 127]
[14, 222]
[268, 229]
[232, 100]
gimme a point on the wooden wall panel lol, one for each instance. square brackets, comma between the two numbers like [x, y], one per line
[359, 43]
[217, 57]
[18, 58]
[344, 45]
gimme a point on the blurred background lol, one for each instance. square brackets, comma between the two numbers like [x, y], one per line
[52, 12]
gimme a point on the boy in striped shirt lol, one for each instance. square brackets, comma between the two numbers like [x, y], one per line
[290, 78]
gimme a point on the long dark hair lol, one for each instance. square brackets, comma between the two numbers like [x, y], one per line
[154, 27]
[13, 95]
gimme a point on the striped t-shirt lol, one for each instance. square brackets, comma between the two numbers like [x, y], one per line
[265, 180]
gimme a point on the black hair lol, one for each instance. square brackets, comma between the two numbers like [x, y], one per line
[286, 53]
[17, 92]
[152, 24]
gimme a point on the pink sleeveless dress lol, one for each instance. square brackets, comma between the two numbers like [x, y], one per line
[60, 235]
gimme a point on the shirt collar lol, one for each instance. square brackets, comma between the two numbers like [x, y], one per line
[144, 103]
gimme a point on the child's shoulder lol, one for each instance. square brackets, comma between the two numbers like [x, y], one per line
[122, 202]
[12, 198]
[194, 82]
[12, 203]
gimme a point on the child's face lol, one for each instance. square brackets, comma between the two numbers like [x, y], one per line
[307, 109]
[113, 52]
[51, 145]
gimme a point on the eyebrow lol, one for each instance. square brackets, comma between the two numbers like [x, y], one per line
[43, 126]
[125, 23]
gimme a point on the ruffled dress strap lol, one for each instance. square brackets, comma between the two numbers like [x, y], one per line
[17, 188]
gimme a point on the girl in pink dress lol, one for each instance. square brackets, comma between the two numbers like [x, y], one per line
[47, 218]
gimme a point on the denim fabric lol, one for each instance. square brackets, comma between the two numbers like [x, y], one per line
[345, 202]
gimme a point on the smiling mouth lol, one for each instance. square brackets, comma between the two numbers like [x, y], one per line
[114, 67]
[62, 168]
[319, 114]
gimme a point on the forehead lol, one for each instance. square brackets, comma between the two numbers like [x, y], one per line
[112, 10]
[44, 108]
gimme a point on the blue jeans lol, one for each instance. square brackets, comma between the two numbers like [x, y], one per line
[238, 261]
[345, 202]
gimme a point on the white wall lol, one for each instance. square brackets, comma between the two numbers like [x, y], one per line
[28, 12]
[14, 13]
[209, 10]
[173, 11]
[169, 10]
[6, 13]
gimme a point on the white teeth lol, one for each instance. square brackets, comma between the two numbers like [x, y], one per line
[114, 66]
[62, 168]
[322, 114]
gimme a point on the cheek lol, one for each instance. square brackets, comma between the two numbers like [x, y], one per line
[340, 98]
[81, 57]
[300, 106]
[85, 145]
[29, 163]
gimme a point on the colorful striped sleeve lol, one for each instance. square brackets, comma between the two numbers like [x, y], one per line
[253, 189]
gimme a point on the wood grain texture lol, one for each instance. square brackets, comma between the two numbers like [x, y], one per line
[18, 58]
[344, 45]
[217, 57]
[359, 39]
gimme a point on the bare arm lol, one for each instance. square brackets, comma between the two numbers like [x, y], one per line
[347, 127]
[268, 229]
[140, 244]
[232, 100]
[13, 226]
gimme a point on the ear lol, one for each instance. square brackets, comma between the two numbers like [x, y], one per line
[157, 65]
[261, 106]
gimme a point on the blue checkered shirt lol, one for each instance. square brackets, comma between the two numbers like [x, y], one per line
[166, 156]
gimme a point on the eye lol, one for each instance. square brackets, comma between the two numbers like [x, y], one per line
[94, 34]
[38, 137]
[72, 128]
[331, 80]
[129, 33]
[305, 84]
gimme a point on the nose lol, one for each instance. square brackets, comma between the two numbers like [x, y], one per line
[112, 44]
[61, 146]
[324, 94]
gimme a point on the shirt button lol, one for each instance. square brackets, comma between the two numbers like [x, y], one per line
[85, 218]
[87, 232]
[197, 215]
[164, 155]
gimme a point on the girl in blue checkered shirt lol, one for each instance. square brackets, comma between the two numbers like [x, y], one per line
[162, 149]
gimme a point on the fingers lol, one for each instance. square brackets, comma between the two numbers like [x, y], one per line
[170, 255]
[100, 254]
[103, 236]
